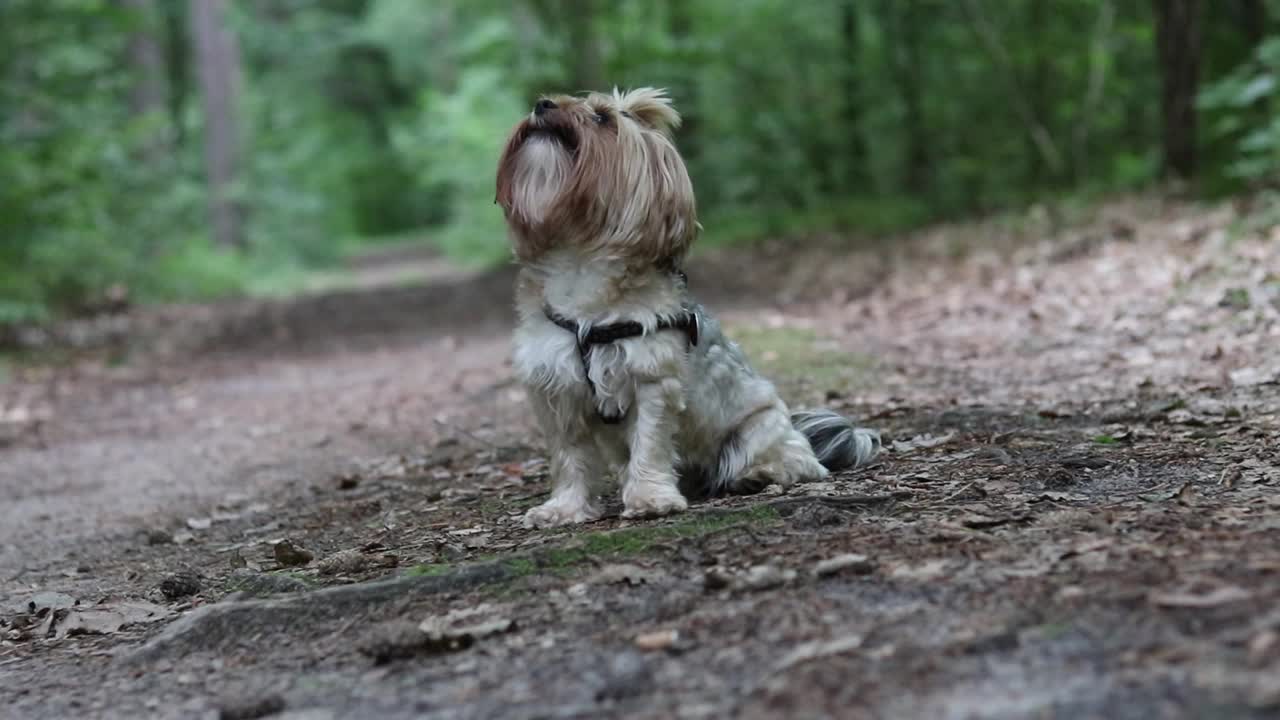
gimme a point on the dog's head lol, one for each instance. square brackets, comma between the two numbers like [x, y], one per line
[601, 174]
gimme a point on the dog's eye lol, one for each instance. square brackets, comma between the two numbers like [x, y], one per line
[601, 118]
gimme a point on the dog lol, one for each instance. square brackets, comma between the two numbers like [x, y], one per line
[629, 377]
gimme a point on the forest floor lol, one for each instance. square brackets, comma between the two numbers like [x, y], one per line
[309, 508]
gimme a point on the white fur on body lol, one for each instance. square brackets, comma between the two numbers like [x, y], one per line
[700, 411]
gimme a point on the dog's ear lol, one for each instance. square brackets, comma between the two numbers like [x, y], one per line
[650, 107]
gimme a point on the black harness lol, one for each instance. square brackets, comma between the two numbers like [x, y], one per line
[686, 322]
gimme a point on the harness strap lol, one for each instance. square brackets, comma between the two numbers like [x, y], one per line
[687, 322]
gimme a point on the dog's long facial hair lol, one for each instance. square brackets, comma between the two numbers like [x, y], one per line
[629, 377]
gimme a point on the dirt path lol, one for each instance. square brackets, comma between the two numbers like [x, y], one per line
[1077, 516]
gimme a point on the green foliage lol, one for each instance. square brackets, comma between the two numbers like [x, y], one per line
[361, 120]
[457, 142]
[73, 198]
[1245, 106]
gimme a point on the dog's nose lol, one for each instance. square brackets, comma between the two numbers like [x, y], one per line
[543, 106]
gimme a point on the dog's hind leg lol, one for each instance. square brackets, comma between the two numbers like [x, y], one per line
[576, 468]
[650, 481]
[765, 449]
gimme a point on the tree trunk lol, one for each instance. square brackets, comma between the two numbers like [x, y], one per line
[1253, 21]
[905, 62]
[685, 89]
[148, 93]
[586, 65]
[218, 64]
[1178, 43]
[177, 65]
[1099, 52]
[857, 155]
[1039, 90]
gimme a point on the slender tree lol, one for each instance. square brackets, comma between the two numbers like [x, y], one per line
[218, 64]
[686, 89]
[1178, 46]
[148, 94]
[586, 64]
[906, 64]
[856, 163]
[1252, 15]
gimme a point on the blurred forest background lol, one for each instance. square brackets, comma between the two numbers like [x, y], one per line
[174, 149]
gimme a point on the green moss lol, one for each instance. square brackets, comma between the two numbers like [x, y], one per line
[429, 569]
[800, 355]
[609, 544]
[522, 566]
[1053, 631]
[638, 540]
[301, 577]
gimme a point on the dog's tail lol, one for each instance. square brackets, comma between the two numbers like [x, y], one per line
[838, 444]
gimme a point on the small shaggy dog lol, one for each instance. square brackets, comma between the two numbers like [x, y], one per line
[629, 376]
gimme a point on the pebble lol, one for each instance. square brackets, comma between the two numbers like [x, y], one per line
[251, 708]
[717, 579]
[626, 674]
[763, 577]
[158, 536]
[395, 640]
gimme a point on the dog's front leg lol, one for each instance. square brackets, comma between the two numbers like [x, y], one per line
[650, 485]
[576, 467]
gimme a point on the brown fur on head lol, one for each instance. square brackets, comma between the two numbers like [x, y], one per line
[600, 174]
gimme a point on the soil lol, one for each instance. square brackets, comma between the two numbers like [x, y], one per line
[309, 508]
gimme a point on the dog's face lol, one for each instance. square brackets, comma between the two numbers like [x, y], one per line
[600, 174]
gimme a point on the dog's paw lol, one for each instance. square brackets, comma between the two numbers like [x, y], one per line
[752, 483]
[554, 513]
[652, 499]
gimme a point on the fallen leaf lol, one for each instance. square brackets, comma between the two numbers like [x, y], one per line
[927, 570]
[47, 601]
[107, 618]
[763, 577]
[922, 442]
[1248, 377]
[818, 649]
[850, 562]
[1186, 494]
[456, 630]
[657, 640]
[1264, 648]
[1221, 595]
[984, 522]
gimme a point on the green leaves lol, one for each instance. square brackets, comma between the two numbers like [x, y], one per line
[1244, 103]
